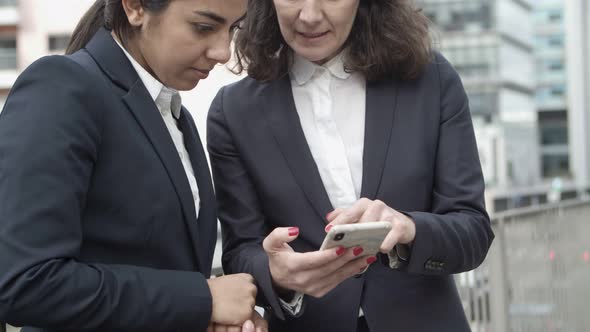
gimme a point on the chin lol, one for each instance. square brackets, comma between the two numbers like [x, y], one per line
[186, 85]
[316, 55]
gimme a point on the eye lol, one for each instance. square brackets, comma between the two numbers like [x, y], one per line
[202, 27]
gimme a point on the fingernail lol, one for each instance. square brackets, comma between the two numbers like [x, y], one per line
[328, 215]
[328, 228]
[357, 251]
[340, 251]
[249, 326]
[371, 260]
[293, 231]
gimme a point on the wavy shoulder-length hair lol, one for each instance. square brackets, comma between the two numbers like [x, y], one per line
[389, 39]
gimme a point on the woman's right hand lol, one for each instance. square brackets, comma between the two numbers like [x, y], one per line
[234, 298]
[312, 273]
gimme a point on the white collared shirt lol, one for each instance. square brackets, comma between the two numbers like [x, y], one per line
[169, 104]
[331, 106]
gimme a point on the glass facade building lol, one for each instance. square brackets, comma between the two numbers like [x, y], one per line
[577, 41]
[491, 44]
[551, 90]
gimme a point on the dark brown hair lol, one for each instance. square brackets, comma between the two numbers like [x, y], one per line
[389, 38]
[110, 15]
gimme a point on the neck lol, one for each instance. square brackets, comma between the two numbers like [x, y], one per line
[132, 48]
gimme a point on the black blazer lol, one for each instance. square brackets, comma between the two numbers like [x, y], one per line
[420, 157]
[98, 230]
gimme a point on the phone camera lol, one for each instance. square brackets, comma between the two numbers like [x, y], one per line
[338, 236]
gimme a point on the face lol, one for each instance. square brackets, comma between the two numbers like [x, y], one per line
[182, 43]
[316, 29]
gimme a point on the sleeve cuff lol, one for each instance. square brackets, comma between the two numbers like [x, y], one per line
[399, 257]
[294, 307]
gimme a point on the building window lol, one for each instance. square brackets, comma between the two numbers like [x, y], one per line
[472, 61]
[556, 41]
[555, 165]
[555, 17]
[7, 52]
[473, 15]
[557, 91]
[58, 43]
[557, 66]
[483, 103]
[8, 3]
[554, 134]
[553, 128]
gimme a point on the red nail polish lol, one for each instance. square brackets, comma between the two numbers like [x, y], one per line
[293, 231]
[357, 251]
[340, 251]
[371, 260]
[328, 228]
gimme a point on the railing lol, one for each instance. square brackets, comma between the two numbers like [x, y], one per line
[536, 276]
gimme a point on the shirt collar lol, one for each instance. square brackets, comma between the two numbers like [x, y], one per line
[303, 69]
[171, 98]
[155, 88]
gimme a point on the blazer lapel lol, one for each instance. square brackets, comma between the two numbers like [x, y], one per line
[146, 113]
[111, 59]
[284, 122]
[379, 117]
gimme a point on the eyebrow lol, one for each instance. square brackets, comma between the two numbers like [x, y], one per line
[211, 15]
[216, 17]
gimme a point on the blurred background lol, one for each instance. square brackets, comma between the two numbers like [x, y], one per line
[526, 68]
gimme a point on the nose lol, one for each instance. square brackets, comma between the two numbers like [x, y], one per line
[311, 12]
[220, 50]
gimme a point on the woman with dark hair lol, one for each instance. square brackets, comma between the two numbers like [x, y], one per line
[107, 212]
[348, 116]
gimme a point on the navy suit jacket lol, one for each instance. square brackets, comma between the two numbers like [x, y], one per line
[420, 157]
[98, 230]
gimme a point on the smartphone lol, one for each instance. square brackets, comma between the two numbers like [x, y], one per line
[367, 235]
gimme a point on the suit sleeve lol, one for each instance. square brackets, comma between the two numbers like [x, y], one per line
[240, 213]
[456, 235]
[50, 135]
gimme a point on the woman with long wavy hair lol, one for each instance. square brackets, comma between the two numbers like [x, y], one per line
[347, 116]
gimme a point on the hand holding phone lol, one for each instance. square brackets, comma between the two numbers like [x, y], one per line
[313, 273]
[368, 235]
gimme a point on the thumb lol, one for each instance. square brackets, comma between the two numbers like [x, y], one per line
[276, 240]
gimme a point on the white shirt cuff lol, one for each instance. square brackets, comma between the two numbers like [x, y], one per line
[295, 306]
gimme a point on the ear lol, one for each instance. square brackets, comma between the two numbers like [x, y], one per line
[134, 11]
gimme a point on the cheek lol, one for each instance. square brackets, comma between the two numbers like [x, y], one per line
[285, 26]
[344, 25]
[185, 54]
[286, 18]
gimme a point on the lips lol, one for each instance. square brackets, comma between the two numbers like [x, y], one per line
[312, 35]
[202, 73]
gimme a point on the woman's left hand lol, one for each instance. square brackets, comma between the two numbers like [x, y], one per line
[403, 229]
